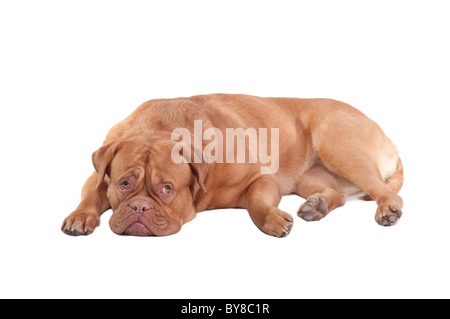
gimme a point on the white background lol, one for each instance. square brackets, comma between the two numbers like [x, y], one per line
[71, 70]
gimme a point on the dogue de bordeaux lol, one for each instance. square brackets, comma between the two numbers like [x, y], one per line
[327, 150]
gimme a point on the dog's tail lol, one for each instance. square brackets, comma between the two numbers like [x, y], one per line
[394, 183]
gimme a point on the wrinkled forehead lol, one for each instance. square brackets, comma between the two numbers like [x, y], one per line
[129, 155]
[161, 165]
[154, 160]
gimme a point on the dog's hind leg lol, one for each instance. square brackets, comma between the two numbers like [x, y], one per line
[357, 150]
[366, 176]
[320, 188]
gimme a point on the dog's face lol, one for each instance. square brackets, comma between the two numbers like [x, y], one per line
[150, 195]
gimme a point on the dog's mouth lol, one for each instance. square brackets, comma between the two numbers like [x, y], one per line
[151, 222]
[138, 229]
[128, 223]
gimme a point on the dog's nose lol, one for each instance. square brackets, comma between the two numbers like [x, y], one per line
[140, 206]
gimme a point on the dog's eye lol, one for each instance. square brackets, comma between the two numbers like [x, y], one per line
[125, 186]
[167, 189]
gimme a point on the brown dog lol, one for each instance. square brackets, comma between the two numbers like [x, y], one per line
[327, 149]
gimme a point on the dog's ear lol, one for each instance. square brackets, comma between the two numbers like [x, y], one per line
[102, 158]
[185, 152]
[200, 170]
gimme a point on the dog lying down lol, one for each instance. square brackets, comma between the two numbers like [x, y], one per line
[172, 158]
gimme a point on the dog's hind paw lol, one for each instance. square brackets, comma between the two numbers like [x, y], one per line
[315, 208]
[387, 216]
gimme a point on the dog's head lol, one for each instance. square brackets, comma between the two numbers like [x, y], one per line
[149, 193]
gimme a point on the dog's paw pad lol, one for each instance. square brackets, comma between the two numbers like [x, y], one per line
[315, 208]
[387, 216]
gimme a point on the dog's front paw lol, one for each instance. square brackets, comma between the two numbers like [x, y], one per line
[80, 223]
[278, 224]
